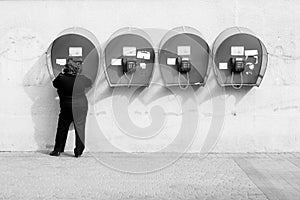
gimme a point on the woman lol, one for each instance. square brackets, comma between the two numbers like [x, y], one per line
[71, 87]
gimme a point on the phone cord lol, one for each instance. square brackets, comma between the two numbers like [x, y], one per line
[234, 85]
[179, 82]
[129, 79]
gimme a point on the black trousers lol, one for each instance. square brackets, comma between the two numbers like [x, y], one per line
[67, 115]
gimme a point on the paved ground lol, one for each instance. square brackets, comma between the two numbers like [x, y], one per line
[35, 175]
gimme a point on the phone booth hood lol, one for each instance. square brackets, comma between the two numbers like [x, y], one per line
[78, 43]
[239, 43]
[186, 43]
[134, 45]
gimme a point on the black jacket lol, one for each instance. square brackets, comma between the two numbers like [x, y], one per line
[71, 89]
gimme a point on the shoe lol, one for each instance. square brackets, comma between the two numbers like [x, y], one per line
[54, 153]
[77, 155]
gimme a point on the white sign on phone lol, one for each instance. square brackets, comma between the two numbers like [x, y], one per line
[183, 50]
[75, 51]
[237, 50]
[116, 61]
[129, 51]
[143, 55]
[171, 61]
[223, 66]
[251, 52]
[143, 65]
[61, 61]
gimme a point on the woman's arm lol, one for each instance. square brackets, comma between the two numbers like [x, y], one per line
[55, 82]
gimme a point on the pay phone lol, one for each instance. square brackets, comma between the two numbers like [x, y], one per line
[183, 64]
[129, 65]
[129, 58]
[240, 58]
[237, 65]
[183, 57]
[76, 43]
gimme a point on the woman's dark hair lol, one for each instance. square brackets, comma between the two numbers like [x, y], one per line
[73, 66]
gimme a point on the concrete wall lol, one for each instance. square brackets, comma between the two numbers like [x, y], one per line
[264, 119]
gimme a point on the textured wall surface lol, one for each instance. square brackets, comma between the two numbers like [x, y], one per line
[263, 119]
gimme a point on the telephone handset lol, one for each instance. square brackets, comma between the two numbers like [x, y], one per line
[129, 65]
[237, 65]
[183, 64]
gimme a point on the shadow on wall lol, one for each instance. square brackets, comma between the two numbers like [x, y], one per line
[149, 94]
[210, 90]
[238, 94]
[156, 91]
[213, 90]
[100, 90]
[45, 107]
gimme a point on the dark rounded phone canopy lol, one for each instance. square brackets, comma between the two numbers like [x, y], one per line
[173, 44]
[74, 42]
[221, 52]
[132, 39]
